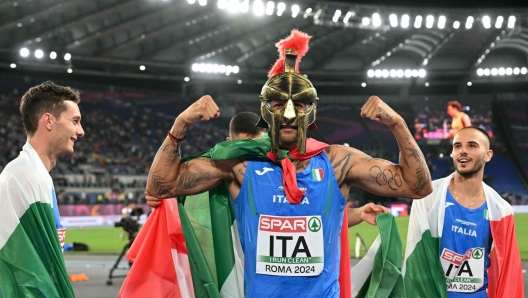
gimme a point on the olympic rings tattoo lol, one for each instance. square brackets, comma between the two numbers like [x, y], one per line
[386, 177]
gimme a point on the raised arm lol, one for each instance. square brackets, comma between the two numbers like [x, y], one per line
[168, 177]
[409, 179]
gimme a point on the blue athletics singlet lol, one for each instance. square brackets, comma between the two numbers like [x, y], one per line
[465, 248]
[290, 250]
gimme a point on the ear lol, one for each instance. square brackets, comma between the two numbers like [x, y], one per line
[47, 121]
[228, 139]
[489, 154]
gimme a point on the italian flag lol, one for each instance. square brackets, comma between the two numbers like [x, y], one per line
[378, 273]
[318, 174]
[161, 264]
[505, 278]
[31, 261]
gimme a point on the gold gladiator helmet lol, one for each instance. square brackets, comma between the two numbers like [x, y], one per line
[286, 84]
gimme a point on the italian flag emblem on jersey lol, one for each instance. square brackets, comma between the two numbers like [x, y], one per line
[318, 174]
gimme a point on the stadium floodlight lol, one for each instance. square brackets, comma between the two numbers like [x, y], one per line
[426, 84]
[376, 19]
[70, 70]
[422, 73]
[67, 57]
[480, 72]
[441, 22]
[425, 61]
[487, 72]
[39, 54]
[244, 6]
[385, 73]
[12, 65]
[229, 69]
[24, 52]
[258, 7]
[414, 73]
[392, 73]
[469, 22]
[295, 10]
[191, 1]
[337, 14]
[498, 22]
[511, 21]
[486, 22]
[363, 84]
[365, 21]
[418, 21]
[405, 21]
[370, 73]
[236, 69]
[377, 73]
[393, 20]
[408, 73]
[233, 6]
[347, 17]
[202, 2]
[456, 24]
[142, 67]
[222, 4]
[239, 82]
[399, 73]
[509, 71]
[186, 79]
[502, 71]
[269, 7]
[53, 55]
[429, 21]
[494, 71]
[523, 70]
[516, 70]
[195, 67]
[469, 84]
[280, 8]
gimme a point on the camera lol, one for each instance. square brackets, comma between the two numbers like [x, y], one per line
[130, 224]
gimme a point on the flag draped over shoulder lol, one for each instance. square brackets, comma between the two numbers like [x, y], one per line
[378, 273]
[31, 260]
[505, 278]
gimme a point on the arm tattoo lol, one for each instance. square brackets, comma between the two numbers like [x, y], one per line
[190, 180]
[382, 111]
[421, 180]
[415, 153]
[161, 186]
[172, 154]
[344, 167]
[386, 177]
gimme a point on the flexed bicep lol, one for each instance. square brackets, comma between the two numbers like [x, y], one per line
[195, 176]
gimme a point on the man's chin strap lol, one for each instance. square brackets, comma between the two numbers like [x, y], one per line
[289, 172]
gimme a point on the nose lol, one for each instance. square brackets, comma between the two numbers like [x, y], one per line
[289, 113]
[80, 132]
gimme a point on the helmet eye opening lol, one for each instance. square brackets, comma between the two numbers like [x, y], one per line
[277, 105]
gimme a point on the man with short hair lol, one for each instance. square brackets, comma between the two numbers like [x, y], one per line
[243, 126]
[31, 262]
[459, 118]
[288, 191]
[464, 231]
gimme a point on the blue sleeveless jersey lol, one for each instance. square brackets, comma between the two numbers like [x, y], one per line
[464, 249]
[261, 203]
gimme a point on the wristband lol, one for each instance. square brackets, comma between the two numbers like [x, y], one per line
[175, 139]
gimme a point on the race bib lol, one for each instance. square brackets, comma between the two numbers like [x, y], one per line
[290, 246]
[464, 273]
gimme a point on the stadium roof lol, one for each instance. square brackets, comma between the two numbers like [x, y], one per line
[208, 39]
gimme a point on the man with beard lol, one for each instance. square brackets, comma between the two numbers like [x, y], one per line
[467, 228]
[288, 192]
[31, 262]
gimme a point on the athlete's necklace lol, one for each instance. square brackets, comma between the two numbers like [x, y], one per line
[456, 197]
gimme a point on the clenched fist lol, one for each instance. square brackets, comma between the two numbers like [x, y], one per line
[202, 110]
[376, 109]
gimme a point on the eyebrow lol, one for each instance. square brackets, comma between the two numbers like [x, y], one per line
[470, 142]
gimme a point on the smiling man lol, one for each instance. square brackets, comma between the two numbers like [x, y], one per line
[297, 185]
[31, 262]
[473, 232]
